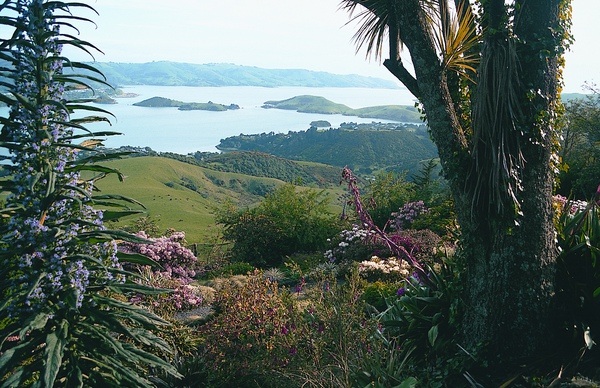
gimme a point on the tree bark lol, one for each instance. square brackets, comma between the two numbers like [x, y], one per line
[510, 263]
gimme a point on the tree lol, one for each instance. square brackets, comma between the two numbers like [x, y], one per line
[487, 76]
[579, 152]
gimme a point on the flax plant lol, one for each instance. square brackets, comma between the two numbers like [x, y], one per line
[60, 323]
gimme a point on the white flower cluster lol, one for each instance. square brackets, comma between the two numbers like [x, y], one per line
[356, 234]
[384, 266]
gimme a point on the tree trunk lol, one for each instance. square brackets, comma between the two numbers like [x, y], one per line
[510, 259]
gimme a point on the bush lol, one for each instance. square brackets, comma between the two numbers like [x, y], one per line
[266, 336]
[233, 269]
[287, 221]
[376, 294]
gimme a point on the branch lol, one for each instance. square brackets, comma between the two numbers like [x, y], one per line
[399, 71]
[367, 221]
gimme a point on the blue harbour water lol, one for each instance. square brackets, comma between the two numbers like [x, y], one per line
[172, 130]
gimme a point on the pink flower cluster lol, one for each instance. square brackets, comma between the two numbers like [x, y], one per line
[177, 260]
[407, 214]
[179, 267]
[575, 206]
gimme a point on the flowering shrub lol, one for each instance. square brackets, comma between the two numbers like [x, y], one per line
[384, 269]
[177, 260]
[59, 264]
[262, 336]
[354, 244]
[408, 214]
[424, 245]
[179, 267]
[178, 295]
[560, 203]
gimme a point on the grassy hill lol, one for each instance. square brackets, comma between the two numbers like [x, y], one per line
[261, 164]
[182, 196]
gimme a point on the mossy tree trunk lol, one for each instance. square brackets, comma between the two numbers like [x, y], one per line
[495, 135]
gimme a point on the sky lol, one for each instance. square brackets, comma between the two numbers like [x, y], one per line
[276, 34]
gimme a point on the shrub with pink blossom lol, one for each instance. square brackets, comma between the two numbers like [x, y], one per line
[179, 266]
[408, 214]
[177, 260]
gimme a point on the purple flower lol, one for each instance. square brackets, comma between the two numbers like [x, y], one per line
[400, 291]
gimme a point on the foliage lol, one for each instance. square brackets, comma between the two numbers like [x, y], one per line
[388, 191]
[62, 323]
[421, 323]
[376, 293]
[578, 278]
[265, 336]
[239, 268]
[579, 146]
[287, 221]
[266, 165]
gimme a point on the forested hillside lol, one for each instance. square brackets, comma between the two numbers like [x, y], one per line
[259, 164]
[362, 147]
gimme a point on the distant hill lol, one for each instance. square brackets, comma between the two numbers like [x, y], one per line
[317, 104]
[165, 73]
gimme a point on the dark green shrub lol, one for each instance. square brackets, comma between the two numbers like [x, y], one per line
[377, 293]
[234, 269]
[289, 220]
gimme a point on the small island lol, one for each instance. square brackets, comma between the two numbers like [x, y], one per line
[320, 124]
[321, 105]
[161, 102]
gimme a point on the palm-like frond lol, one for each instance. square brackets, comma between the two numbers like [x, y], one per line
[455, 36]
[454, 33]
[373, 28]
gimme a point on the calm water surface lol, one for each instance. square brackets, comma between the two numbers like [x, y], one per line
[172, 130]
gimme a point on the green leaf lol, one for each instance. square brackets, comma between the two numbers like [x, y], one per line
[109, 235]
[136, 258]
[54, 350]
[36, 322]
[432, 334]
[410, 382]
[138, 288]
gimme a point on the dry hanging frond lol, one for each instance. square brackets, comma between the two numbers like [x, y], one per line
[497, 157]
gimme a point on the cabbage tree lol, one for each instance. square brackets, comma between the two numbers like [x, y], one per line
[487, 76]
